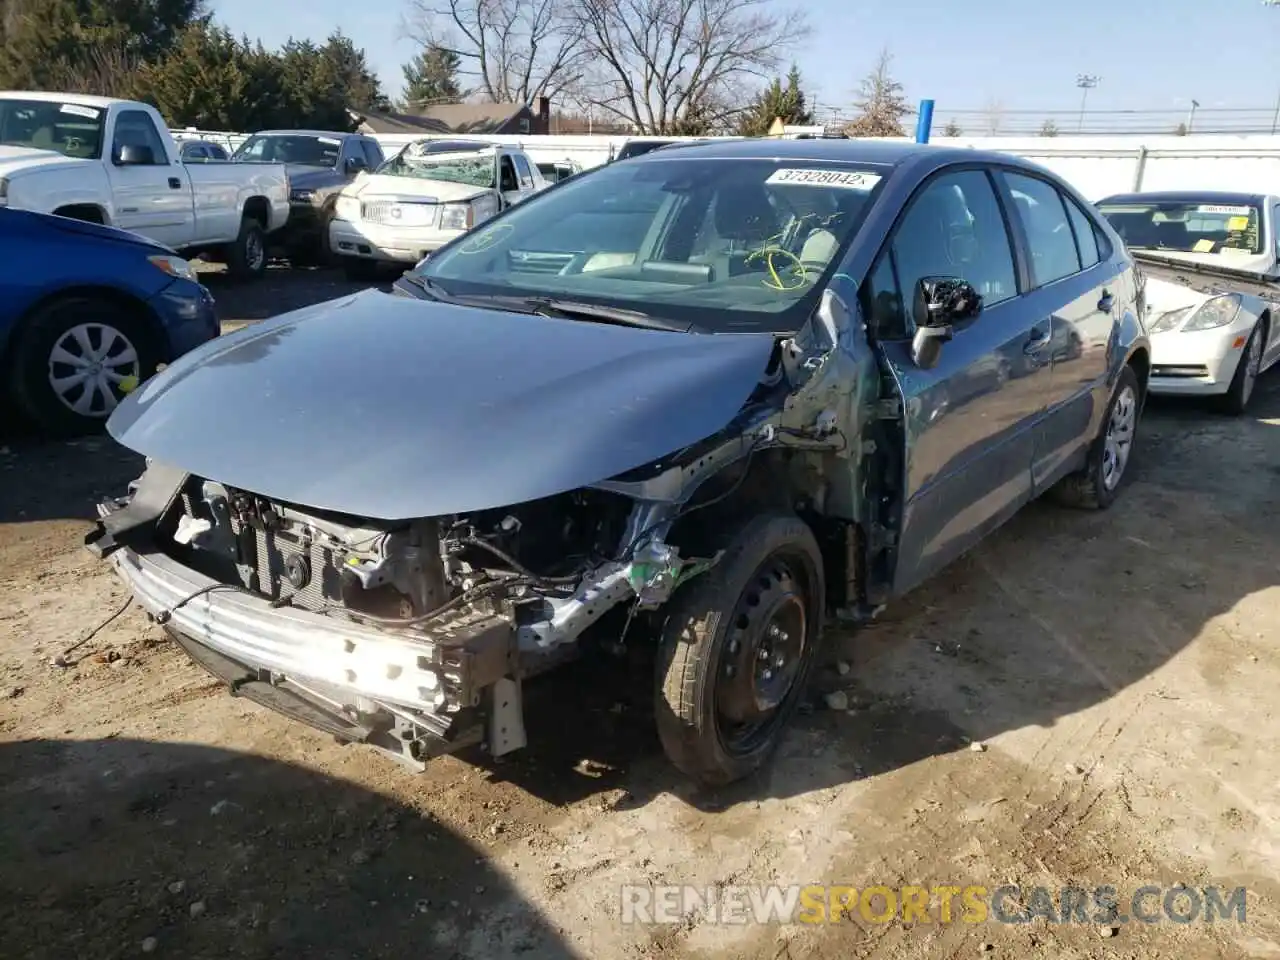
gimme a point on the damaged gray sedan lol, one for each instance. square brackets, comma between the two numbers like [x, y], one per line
[700, 401]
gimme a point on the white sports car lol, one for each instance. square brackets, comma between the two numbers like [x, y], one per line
[1212, 287]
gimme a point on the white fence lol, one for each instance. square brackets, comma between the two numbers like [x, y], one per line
[1095, 165]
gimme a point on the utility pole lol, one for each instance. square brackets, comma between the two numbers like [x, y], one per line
[1275, 117]
[1191, 114]
[1086, 82]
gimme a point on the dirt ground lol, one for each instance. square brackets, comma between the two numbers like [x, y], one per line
[1086, 699]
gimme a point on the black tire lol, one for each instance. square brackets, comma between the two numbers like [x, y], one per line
[313, 250]
[32, 366]
[1236, 400]
[360, 270]
[715, 625]
[1090, 488]
[247, 255]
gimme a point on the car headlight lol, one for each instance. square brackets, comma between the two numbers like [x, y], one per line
[347, 208]
[457, 216]
[174, 266]
[464, 216]
[301, 195]
[1217, 312]
[1169, 320]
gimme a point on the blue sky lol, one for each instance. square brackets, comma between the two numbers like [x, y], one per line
[964, 53]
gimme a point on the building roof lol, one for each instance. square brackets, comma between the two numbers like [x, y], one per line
[378, 122]
[474, 117]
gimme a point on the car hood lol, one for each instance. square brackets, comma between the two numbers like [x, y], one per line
[391, 408]
[86, 229]
[18, 159]
[382, 185]
[311, 177]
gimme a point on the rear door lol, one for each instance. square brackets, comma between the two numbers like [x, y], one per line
[969, 421]
[1075, 294]
[152, 199]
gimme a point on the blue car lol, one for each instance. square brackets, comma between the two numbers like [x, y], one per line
[88, 312]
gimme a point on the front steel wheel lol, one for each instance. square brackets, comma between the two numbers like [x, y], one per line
[737, 649]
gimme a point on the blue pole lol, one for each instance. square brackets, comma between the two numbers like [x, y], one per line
[925, 121]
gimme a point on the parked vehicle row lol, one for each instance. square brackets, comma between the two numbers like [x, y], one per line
[697, 402]
[114, 162]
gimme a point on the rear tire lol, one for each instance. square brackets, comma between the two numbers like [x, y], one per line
[736, 651]
[1096, 486]
[1236, 400]
[95, 351]
[247, 255]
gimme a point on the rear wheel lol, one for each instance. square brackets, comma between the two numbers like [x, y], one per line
[737, 649]
[76, 359]
[1236, 400]
[1096, 486]
[247, 257]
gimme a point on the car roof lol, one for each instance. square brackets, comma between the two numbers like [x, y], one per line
[853, 150]
[1225, 197]
[306, 133]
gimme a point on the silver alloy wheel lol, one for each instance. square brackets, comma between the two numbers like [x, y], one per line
[254, 251]
[88, 365]
[1119, 438]
[1252, 361]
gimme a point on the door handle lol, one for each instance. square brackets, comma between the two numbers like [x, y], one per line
[1105, 304]
[175, 183]
[1038, 340]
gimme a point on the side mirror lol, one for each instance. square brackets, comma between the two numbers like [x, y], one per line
[135, 155]
[357, 164]
[939, 304]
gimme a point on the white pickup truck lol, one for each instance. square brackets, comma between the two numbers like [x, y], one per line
[113, 162]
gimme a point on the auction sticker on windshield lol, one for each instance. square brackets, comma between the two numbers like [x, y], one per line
[1220, 208]
[89, 113]
[845, 179]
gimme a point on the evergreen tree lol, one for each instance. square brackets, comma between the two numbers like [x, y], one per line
[431, 77]
[774, 101]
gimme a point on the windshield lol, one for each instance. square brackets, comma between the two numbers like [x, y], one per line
[70, 129]
[721, 244]
[472, 167]
[310, 149]
[1187, 226]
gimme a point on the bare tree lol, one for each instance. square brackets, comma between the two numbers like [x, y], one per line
[1048, 129]
[511, 51]
[881, 105]
[107, 71]
[668, 65]
[952, 129]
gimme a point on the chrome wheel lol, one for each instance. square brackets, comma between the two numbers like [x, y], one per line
[1119, 439]
[763, 656]
[91, 367]
[1252, 361]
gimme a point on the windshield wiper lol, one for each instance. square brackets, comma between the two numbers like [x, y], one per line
[550, 307]
[572, 309]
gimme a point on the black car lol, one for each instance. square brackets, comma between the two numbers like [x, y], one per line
[319, 163]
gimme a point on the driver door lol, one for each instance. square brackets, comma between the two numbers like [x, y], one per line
[969, 421]
[153, 199]
[508, 182]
